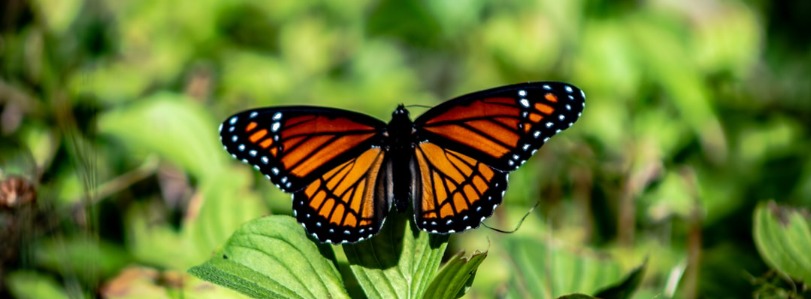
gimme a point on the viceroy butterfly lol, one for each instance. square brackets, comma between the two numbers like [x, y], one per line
[346, 170]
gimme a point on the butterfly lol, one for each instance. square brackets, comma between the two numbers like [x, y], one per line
[347, 170]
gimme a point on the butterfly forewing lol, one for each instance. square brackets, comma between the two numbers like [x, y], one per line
[457, 192]
[292, 146]
[503, 126]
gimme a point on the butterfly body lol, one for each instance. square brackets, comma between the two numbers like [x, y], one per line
[347, 170]
[398, 143]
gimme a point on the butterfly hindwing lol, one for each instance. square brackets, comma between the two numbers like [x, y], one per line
[292, 146]
[456, 192]
[347, 203]
[503, 126]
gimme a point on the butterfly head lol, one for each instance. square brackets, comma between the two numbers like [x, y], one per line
[399, 131]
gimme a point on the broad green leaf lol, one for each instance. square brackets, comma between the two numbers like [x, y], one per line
[455, 277]
[272, 257]
[625, 288]
[399, 262]
[82, 257]
[174, 127]
[34, 285]
[142, 282]
[783, 238]
[539, 271]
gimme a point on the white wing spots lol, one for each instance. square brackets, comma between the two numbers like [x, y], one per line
[582, 94]
[524, 103]
[265, 160]
[288, 185]
[533, 152]
[318, 223]
[233, 120]
[256, 167]
[525, 147]
[549, 124]
[515, 157]
[346, 232]
[252, 153]
[557, 131]
[275, 171]
[245, 161]
[522, 93]
[284, 179]
[253, 114]
[464, 218]
[482, 219]
[241, 147]
[267, 176]
[234, 138]
[568, 107]
[511, 163]
[277, 116]
[570, 124]
[220, 128]
[231, 129]
[561, 117]
[547, 87]
[537, 134]
[545, 139]
[449, 221]
[568, 89]
[468, 227]
[275, 126]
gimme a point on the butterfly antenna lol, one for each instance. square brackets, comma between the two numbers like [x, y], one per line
[418, 106]
[520, 222]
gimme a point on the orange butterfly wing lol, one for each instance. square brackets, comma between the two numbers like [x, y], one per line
[468, 145]
[503, 126]
[456, 192]
[348, 202]
[329, 159]
[292, 146]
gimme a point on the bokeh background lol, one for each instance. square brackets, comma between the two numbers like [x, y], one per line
[696, 112]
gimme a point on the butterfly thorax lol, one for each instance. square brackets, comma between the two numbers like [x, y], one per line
[399, 145]
[399, 133]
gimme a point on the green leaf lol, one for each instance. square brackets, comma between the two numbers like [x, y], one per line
[397, 263]
[82, 257]
[625, 288]
[539, 271]
[577, 296]
[783, 238]
[29, 284]
[272, 257]
[455, 277]
[174, 127]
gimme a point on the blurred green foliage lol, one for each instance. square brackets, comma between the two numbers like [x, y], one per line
[696, 112]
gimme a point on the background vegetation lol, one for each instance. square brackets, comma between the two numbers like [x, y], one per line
[114, 182]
